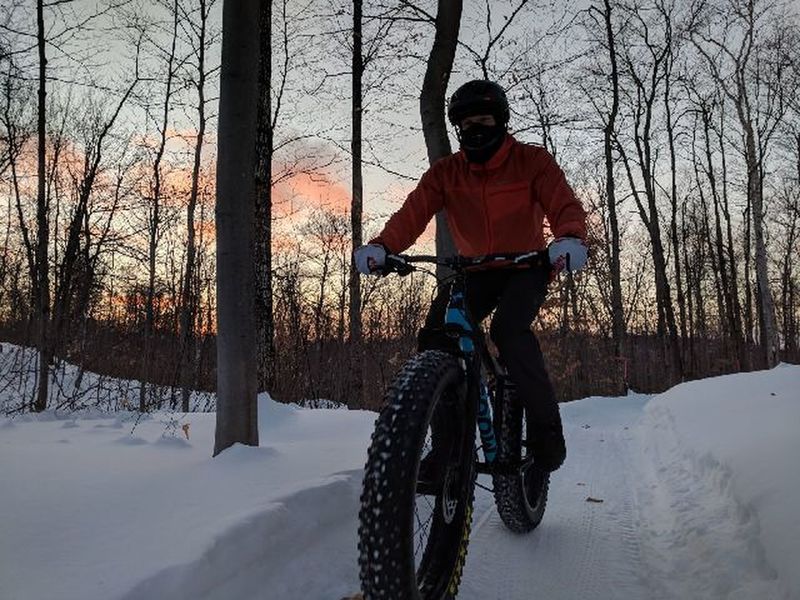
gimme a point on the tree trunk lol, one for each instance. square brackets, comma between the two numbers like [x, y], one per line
[717, 246]
[741, 346]
[189, 300]
[769, 342]
[673, 168]
[787, 286]
[432, 102]
[356, 207]
[265, 322]
[690, 283]
[154, 222]
[42, 286]
[748, 261]
[755, 200]
[617, 315]
[237, 376]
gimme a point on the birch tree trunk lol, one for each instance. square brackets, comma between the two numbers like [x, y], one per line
[755, 119]
[755, 191]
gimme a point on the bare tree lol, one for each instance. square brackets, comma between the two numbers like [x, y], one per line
[42, 285]
[189, 299]
[671, 41]
[645, 71]
[357, 201]
[155, 218]
[790, 223]
[265, 149]
[723, 249]
[273, 82]
[609, 127]
[432, 100]
[76, 267]
[735, 57]
[18, 129]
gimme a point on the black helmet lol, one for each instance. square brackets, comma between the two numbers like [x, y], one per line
[478, 97]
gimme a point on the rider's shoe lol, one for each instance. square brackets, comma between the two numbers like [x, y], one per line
[547, 445]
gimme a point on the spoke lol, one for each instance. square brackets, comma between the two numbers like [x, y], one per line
[422, 527]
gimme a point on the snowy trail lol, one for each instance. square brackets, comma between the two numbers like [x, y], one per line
[582, 549]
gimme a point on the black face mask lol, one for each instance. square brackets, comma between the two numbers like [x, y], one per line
[480, 142]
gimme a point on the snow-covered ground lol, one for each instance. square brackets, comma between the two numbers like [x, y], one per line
[690, 494]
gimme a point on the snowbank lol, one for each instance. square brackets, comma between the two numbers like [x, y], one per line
[105, 508]
[724, 484]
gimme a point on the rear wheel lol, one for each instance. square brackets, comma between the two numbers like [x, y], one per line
[415, 523]
[520, 488]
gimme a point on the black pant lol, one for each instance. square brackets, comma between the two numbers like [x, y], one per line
[517, 294]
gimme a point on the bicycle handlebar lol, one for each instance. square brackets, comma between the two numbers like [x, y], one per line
[403, 263]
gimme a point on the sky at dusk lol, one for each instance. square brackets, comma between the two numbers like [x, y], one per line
[316, 102]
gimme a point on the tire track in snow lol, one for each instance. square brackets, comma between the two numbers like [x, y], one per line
[582, 549]
[694, 527]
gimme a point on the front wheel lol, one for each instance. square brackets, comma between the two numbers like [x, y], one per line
[520, 492]
[415, 522]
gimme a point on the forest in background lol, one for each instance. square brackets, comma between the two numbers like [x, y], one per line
[677, 123]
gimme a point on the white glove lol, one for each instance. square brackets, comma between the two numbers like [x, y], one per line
[370, 258]
[571, 247]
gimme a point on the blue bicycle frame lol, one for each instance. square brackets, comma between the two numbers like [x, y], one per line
[456, 316]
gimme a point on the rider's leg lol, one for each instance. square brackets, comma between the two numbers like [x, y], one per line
[483, 289]
[432, 336]
[519, 303]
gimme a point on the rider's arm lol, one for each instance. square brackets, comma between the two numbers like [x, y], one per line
[564, 211]
[408, 223]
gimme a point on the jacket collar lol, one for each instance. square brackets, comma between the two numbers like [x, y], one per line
[497, 159]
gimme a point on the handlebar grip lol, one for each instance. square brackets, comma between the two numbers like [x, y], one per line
[395, 264]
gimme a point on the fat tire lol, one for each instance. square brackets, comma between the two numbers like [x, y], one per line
[386, 518]
[515, 510]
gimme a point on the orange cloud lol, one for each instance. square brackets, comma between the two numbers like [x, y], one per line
[304, 191]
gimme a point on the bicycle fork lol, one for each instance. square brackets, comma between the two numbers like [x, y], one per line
[456, 317]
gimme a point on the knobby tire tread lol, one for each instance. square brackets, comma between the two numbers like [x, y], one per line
[386, 526]
[508, 489]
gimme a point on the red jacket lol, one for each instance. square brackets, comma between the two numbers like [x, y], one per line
[492, 208]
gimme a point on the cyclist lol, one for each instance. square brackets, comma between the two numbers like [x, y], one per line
[496, 192]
